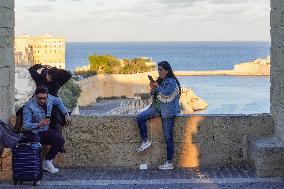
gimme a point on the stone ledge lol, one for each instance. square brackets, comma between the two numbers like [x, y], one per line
[267, 156]
[200, 140]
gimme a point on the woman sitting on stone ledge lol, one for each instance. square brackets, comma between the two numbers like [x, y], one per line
[166, 92]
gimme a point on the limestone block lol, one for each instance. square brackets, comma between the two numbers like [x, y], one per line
[186, 154]
[119, 154]
[275, 19]
[277, 39]
[7, 97]
[2, 57]
[85, 154]
[5, 76]
[6, 38]
[276, 4]
[7, 57]
[7, 4]
[113, 140]
[6, 111]
[250, 126]
[277, 54]
[278, 112]
[267, 156]
[7, 18]
[105, 129]
[187, 132]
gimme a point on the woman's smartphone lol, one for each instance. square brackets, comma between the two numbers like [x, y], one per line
[47, 117]
[151, 78]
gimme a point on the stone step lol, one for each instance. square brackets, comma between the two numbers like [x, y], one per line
[267, 157]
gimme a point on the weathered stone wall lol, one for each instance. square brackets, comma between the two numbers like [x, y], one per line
[112, 85]
[277, 68]
[199, 140]
[7, 68]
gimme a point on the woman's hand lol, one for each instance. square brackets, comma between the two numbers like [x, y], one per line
[43, 123]
[153, 86]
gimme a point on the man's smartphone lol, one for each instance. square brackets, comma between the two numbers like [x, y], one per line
[47, 117]
[151, 78]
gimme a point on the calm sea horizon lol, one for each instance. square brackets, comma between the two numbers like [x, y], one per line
[224, 94]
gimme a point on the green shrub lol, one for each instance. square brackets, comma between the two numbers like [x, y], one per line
[69, 94]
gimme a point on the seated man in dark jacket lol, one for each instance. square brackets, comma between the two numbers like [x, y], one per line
[36, 124]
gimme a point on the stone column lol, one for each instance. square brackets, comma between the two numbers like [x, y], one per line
[277, 66]
[7, 66]
[267, 154]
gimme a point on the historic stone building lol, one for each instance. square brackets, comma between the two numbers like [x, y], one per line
[44, 49]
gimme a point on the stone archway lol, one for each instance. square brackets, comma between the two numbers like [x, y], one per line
[266, 154]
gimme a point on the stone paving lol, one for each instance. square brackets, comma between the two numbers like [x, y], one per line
[229, 177]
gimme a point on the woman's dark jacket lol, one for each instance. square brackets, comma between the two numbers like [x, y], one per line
[60, 77]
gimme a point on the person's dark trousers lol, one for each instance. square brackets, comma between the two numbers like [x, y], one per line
[49, 137]
[168, 125]
[57, 119]
[142, 118]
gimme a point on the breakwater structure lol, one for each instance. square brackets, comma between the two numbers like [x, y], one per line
[258, 67]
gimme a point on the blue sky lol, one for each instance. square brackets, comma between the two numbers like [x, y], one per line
[145, 20]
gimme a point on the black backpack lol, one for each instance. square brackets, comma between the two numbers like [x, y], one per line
[8, 138]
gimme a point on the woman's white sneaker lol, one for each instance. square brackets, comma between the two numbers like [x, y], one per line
[144, 146]
[48, 166]
[166, 166]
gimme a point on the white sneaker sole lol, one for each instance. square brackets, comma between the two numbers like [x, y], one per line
[145, 147]
[164, 168]
[56, 171]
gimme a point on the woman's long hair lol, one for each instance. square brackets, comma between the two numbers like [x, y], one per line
[166, 65]
[53, 72]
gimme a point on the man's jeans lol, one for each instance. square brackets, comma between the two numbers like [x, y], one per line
[50, 137]
[168, 124]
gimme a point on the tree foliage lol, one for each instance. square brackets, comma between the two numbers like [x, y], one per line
[69, 94]
[107, 64]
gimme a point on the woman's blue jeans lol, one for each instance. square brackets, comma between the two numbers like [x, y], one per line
[167, 123]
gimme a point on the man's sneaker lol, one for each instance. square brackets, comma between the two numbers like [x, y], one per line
[144, 146]
[166, 166]
[48, 166]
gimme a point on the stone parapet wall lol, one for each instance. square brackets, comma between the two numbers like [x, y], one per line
[200, 140]
[7, 68]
